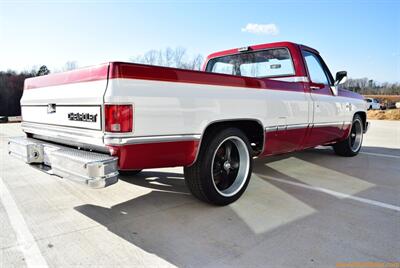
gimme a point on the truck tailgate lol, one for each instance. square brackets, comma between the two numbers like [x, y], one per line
[79, 116]
[71, 99]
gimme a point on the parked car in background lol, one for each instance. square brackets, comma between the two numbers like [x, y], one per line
[373, 104]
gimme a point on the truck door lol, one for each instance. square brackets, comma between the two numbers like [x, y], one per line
[328, 109]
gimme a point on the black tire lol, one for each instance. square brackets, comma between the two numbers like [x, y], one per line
[232, 170]
[129, 172]
[351, 146]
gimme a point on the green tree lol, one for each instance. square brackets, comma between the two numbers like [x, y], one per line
[43, 71]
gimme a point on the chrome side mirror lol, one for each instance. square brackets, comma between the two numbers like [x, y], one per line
[335, 90]
[341, 77]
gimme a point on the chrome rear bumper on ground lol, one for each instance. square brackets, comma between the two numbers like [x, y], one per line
[93, 169]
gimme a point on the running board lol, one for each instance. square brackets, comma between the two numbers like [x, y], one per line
[93, 169]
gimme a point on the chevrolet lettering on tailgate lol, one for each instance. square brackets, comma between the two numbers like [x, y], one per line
[84, 117]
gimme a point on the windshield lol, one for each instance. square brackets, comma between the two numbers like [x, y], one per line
[265, 63]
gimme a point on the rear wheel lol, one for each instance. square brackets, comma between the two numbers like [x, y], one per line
[223, 167]
[352, 145]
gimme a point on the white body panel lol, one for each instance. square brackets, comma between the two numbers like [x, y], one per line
[331, 109]
[40, 114]
[167, 108]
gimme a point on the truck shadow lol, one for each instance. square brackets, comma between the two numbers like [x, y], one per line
[183, 231]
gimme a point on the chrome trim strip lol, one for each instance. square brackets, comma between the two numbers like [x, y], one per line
[292, 79]
[328, 124]
[61, 129]
[92, 139]
[297, 126]
[271, 129]
[109, 140]
[281, 127]
[306, 125]
[74, 143]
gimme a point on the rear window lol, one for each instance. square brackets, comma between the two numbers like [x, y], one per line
[265, 63]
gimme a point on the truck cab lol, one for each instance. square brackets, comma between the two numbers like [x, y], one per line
[323, 113]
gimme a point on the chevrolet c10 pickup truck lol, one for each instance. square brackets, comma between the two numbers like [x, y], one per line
[88, 124]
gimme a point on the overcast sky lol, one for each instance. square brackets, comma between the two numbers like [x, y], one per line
[362, 37]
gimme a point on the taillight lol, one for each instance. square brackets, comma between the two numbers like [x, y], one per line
[119, 118]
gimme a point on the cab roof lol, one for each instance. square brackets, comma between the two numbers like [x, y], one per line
[258, 47]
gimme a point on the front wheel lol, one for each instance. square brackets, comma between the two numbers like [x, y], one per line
[223, 168]
[352, 145]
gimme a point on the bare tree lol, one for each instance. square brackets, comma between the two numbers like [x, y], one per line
[197, 62]
[70, 65]
[170, 58]
[179, 57]
[150, 57]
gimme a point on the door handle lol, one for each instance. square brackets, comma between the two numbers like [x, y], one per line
[316, 86]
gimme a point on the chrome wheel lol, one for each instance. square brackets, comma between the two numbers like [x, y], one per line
[356, 135]
[230, 166]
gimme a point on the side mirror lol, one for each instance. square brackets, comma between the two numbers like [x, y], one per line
[341, 77]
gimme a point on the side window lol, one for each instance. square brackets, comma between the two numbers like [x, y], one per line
[315, 68]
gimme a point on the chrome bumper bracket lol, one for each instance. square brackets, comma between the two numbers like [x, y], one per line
[93, 169]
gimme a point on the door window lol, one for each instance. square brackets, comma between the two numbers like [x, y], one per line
[315, 69]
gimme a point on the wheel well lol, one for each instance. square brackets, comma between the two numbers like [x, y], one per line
[363, 116]
[253, 130]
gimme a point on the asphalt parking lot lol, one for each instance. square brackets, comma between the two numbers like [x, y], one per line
[307, 209]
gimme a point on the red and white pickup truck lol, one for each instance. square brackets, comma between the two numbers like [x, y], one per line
[255, 101]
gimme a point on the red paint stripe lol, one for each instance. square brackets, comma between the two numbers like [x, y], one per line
[157, 73]
[284, 141]
[155, 155]
[94, 73]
